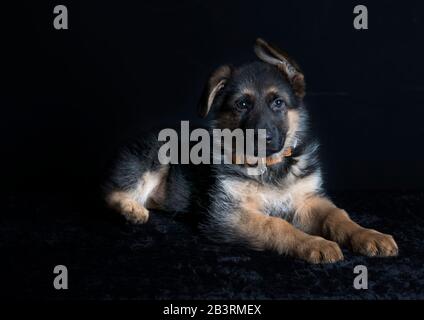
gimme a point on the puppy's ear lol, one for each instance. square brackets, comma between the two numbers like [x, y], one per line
[287, 66]
[217, 81]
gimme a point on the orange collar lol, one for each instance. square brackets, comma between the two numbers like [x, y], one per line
[270, 160]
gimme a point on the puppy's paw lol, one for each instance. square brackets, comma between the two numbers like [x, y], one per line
[319, 250]
[135, 213]
[373, 243]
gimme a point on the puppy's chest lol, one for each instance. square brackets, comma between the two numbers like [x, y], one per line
[275, 202]
[281, 200]
[272, 201]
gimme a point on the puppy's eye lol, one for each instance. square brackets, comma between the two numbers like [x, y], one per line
[242, 105]
[278, 104]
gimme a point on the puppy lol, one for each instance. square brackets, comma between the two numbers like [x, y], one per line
[283, 209]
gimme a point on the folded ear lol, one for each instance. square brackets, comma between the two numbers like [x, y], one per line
[217, 81]
[279, 58]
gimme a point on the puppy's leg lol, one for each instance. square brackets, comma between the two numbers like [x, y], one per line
[125, 203]
[318, 215]
[147, 192]
[266, 232]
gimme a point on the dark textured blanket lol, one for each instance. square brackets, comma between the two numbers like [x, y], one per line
[166, 258]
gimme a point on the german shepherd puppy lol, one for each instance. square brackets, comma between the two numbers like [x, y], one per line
[285, 208]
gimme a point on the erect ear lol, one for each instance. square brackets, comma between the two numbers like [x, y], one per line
[279, 58]
[217, 81]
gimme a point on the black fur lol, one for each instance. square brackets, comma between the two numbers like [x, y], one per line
[198, 189]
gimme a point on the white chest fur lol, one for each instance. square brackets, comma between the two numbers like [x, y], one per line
[273, 200]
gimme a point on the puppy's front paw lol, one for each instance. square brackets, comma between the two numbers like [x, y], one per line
[373, 243]
[131, 209]
[135, 213]
[319, 250]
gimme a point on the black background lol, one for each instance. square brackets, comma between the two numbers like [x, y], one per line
[70, 97]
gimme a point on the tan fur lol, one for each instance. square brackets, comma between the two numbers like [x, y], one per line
[148, 194]
[125, 204]
[318, 215]
[264, 232]
[272, 90]
[298, 203]
[213, 93]
[248, 92]
[273, 197]
[158, 194]
[293, 119]
[284, 63]
[216, 82]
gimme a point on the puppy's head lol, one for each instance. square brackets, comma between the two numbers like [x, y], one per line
[259, 95]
